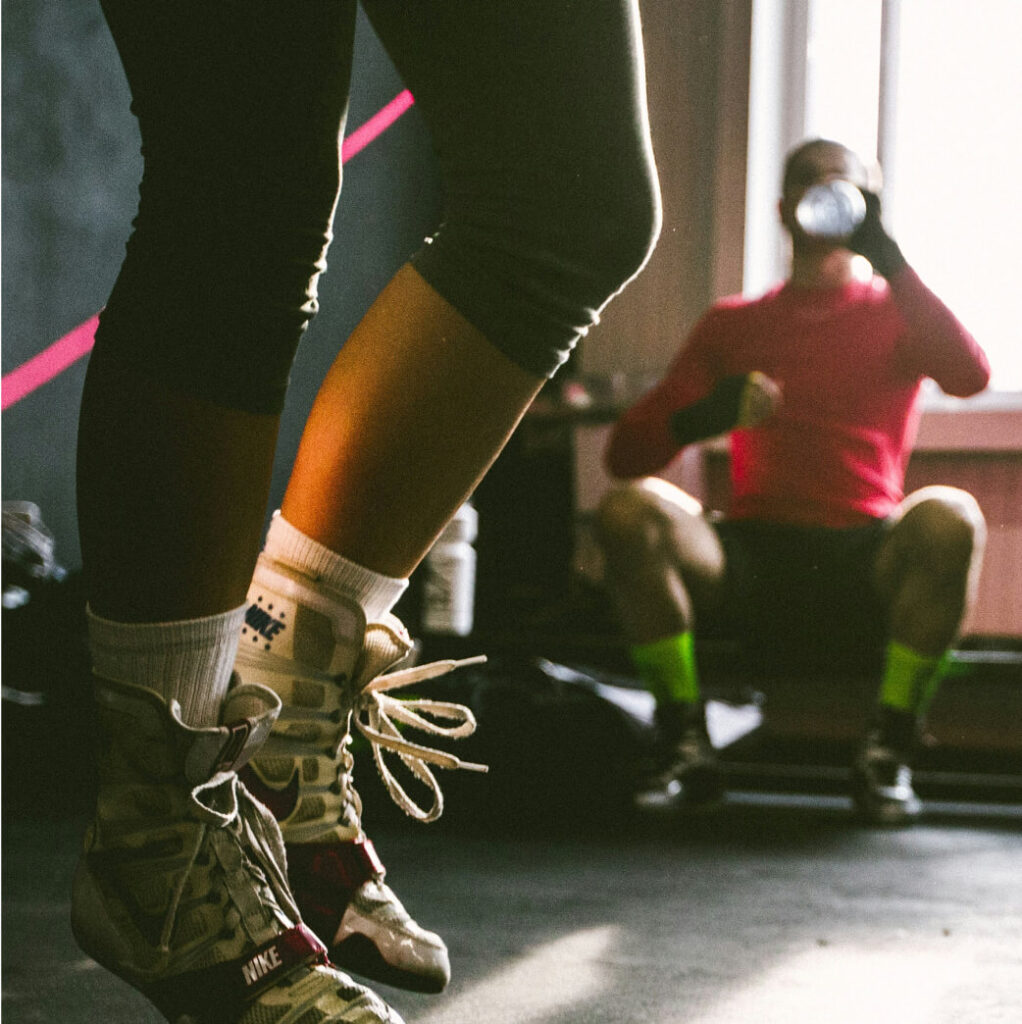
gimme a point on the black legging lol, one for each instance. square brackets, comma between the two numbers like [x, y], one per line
[537, 113]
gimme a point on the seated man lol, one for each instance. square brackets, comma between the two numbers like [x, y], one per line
[819, 382]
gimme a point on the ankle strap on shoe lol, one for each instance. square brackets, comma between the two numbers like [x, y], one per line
[159, 744]
[264, 967]
[220, 993]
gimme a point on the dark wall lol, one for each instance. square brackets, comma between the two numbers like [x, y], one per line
[70, 173]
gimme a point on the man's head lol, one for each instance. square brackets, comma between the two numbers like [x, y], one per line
[813, 163]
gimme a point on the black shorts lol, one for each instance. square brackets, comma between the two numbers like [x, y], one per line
[800, 597]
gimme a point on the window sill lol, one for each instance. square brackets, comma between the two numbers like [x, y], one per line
[991, 422]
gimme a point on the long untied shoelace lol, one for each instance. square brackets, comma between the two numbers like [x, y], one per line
[375, 713]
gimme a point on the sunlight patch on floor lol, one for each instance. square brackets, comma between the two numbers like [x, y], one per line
[538, 986]
[887, 984]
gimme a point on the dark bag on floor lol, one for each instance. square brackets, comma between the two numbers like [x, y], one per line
[563, 745]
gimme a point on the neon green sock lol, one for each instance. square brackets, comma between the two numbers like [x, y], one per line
[910, 679]
[668, 667]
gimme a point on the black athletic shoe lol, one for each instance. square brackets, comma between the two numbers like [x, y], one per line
[881, 774]
[688, 772]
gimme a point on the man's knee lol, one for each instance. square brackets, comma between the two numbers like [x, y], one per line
[945, 526]
[624, 519]
[637, 520]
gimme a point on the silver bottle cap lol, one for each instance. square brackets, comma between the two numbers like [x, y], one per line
[832, 210]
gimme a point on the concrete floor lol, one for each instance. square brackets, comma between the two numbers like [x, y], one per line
[767, 909]
[770, 908]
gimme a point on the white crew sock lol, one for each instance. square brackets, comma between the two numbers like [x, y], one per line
[374, 593]
[189, 661]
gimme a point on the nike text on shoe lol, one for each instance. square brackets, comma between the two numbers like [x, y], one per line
[315, 650]
[181, 888]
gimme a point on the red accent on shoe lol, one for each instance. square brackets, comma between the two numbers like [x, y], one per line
[324, 877]
[280, 801]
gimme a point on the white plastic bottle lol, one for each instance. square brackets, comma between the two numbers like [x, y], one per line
[448, 601]
[831, 210]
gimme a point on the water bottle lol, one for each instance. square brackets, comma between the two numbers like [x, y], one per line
[449, 590]
[832, 210]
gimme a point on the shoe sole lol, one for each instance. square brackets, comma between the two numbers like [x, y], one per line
[359, 955]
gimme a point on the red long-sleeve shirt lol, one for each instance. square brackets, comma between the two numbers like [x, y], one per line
[850, 361]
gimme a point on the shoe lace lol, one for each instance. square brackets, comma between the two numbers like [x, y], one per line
[376, 714]
[217, 804]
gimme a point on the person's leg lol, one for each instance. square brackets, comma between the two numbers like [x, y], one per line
[926, 570]
[185, 385]
[414, 409]
[538, 117]
[537, 114]
[168, 506]
[662, 560]
[180, 889]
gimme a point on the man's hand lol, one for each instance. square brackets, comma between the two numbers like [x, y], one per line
[740, 400]
[871, 240]
[759, 400]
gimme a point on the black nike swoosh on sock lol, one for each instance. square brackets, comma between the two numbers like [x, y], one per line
[280, 801]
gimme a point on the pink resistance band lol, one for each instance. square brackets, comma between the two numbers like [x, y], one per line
[64, 352]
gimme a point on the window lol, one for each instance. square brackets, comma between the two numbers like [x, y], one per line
[842, 90]
[955, 152]
[932, 88]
